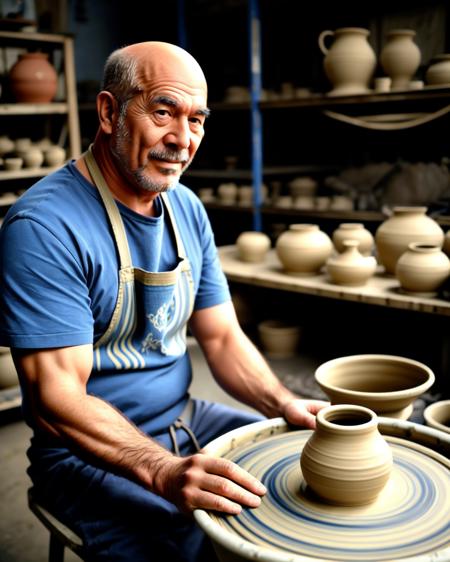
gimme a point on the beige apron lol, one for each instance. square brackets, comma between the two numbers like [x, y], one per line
[152, 308]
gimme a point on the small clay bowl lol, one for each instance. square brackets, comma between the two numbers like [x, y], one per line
[13, 164]
[437, 415]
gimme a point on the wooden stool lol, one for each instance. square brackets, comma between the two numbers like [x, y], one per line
[60, 535]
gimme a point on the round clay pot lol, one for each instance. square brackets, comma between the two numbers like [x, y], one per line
[8, 373]
[351, 267]
[350, 61]
[6, 145]
[400, 57]
[437, 415]
[346, 461]
[387, 384]
[32, 157]
[303, 249]
[252, 246]
[354, 231]
[279, 339]
[54, 156]
[406, 225]
[438, 73]
[33, 79]
[422, 269]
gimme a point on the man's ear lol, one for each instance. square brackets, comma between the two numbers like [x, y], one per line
[107, 110]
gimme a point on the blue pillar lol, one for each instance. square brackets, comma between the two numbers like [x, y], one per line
[256, 120]
[182, 36]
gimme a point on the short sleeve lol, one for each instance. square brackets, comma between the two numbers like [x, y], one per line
[44, 295]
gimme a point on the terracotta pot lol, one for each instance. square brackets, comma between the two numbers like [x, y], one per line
[387, 384]
[350, 62]
[346, 461]
[437, 415]
[422, 269]
[400, 57]
[33, 79]
[406, 225]
[279, 339]
[354, 231]
[303, 249]
[351, 267]
[438, 73]
[252, 246]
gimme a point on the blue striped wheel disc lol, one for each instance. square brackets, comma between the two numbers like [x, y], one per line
[410, 517]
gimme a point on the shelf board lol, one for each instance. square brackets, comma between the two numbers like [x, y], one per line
[428, 93]
[26, 36]
[27, 173]
[33, 108]
[267, 171]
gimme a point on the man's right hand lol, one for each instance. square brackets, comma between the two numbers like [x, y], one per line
[201, 481]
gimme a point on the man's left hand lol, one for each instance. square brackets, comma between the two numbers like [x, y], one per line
[303, 412]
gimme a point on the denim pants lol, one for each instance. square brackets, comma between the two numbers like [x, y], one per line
[119, 520]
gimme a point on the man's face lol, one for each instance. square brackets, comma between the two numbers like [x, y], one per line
[156, 138]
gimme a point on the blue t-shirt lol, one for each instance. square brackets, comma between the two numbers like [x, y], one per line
[59, 282]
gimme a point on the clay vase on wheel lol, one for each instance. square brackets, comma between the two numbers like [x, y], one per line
[406, 225]
[350, 61]
[33, 79]
[346, 461]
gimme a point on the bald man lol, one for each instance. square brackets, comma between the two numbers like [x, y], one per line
[113, 258]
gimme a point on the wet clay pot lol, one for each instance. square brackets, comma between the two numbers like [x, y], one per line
[406, 225]
[303, 249]
[437, 415]
[33, 79]
[346, 461]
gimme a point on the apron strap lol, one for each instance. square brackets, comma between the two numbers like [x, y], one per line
[111, 208]
[179, 242]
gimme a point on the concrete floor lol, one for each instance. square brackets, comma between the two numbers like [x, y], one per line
[23, 538]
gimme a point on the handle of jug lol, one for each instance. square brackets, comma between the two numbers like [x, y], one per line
[326, 33]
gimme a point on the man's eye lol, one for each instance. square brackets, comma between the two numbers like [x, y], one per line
[162, 112]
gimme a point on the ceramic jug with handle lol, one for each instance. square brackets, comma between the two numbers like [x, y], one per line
[350, 61]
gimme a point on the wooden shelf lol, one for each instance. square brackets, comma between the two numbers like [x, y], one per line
[26, 173]
[24, 37]
[33, 108]
[382, 289]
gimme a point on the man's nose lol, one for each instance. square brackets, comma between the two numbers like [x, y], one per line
[180, 134]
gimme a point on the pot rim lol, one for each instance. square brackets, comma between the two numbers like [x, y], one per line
[394, 359]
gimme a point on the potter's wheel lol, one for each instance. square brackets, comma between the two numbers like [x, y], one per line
[410, 518]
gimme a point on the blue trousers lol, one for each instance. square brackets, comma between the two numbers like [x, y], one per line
[119, 520]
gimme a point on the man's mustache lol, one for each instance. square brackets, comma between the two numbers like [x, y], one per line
[170, 155]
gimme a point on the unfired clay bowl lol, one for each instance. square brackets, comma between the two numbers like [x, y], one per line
[279, 339]
[387, 384]
[438, 415]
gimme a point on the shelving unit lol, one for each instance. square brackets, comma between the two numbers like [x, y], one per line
[305, 135]
[67, 110]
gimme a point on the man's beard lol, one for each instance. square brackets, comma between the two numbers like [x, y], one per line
[120, 150]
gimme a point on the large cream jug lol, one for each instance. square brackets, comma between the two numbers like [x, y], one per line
[350, 61]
